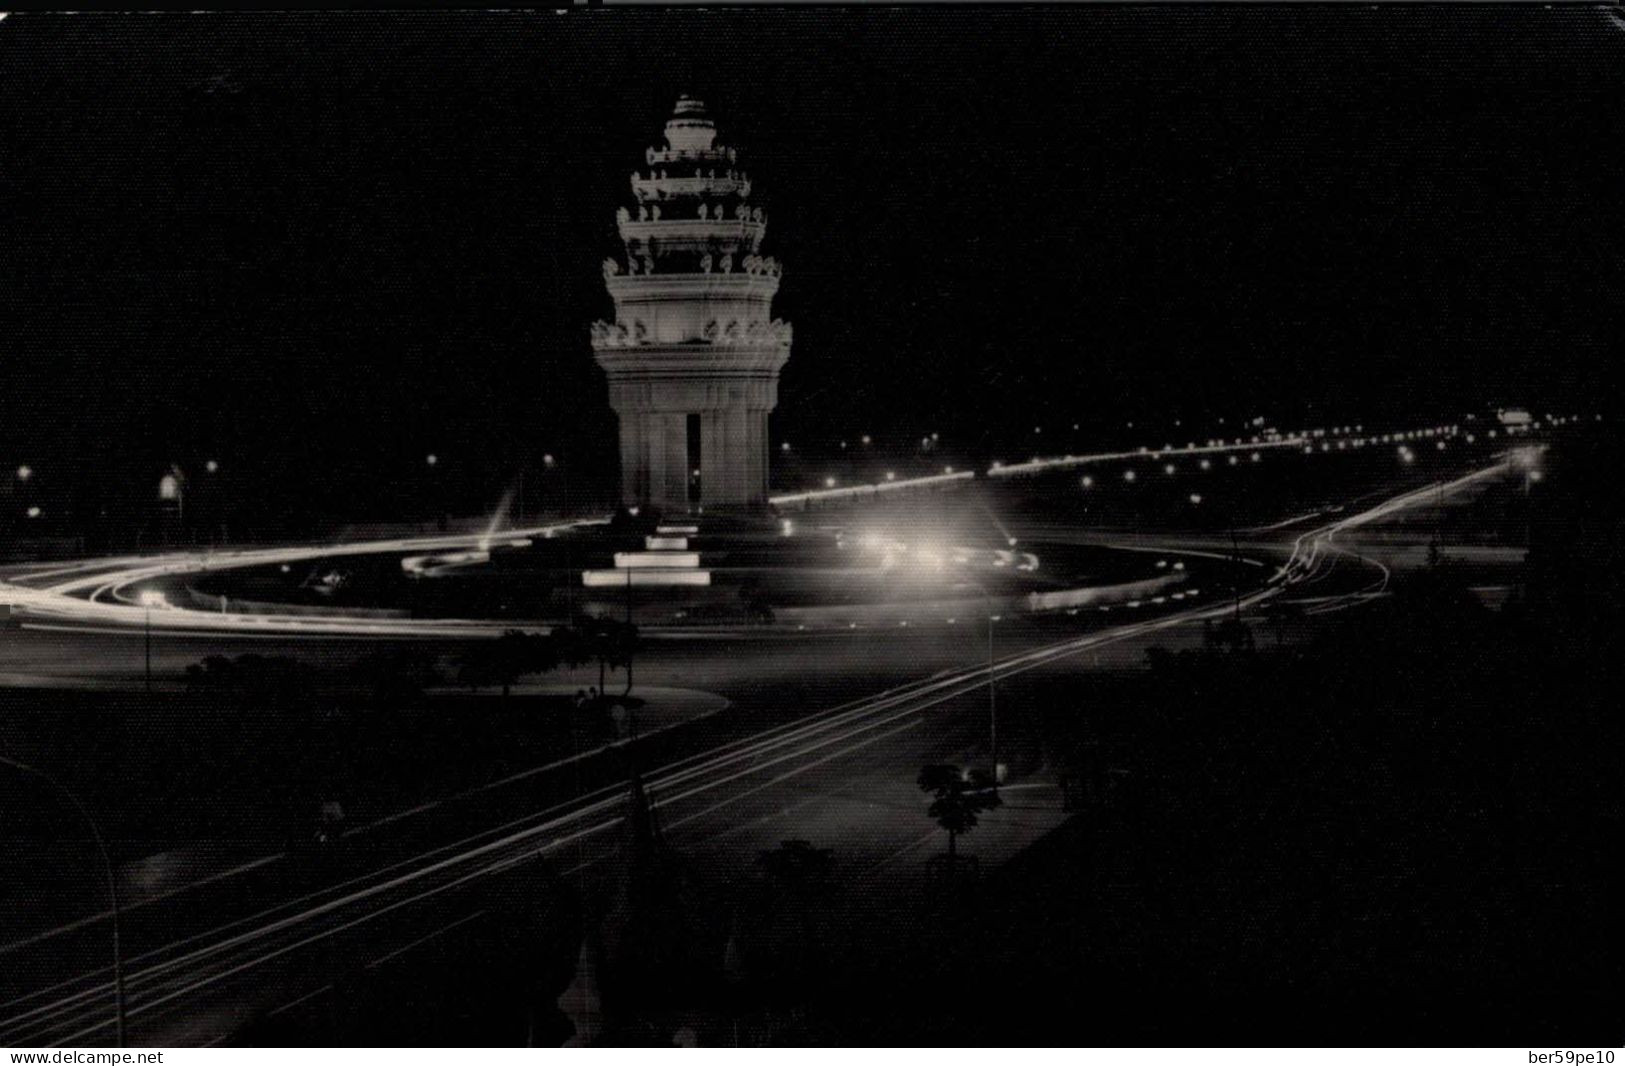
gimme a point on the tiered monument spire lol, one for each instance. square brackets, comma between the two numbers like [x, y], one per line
[694, 351]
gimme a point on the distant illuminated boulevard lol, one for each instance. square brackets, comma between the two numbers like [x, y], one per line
[108, 592]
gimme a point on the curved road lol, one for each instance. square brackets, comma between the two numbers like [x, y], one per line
[822, 770]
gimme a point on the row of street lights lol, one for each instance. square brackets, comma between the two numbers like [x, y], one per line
[1335, 438]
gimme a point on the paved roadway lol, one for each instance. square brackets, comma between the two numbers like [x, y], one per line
[266, 936]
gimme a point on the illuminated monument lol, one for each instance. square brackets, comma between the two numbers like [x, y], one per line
[694, 353]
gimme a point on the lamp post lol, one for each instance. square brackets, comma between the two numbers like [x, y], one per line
[549, 464]
[992, 684]
[217, 503]
[172, 493]
[112, 887]
[431, 463]
[150, 598]
[1529, 478]
[992, 697]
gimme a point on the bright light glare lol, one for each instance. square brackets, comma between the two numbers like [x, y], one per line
[24, 472]
[651, 578]
[152, 598]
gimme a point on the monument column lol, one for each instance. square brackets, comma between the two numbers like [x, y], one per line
[654, 442]
[738, 457]
[759, 452]
[634, 453]
[713, 455]
[671, 488]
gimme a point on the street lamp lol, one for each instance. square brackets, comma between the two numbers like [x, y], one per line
[1532, 475]
[120, 1014]
[992, 685]
[216, 502]
[150, 598]
[172, 492]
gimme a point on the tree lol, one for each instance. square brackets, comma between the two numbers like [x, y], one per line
[757, 604]
[503, 661]
[786, 951]
[571, 646]
[257, 679]
[959, 796]
[612, 643]
[397, 676]
[797, 866]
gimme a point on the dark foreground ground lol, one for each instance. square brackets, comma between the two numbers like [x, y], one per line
[1307, 850]
[1400, 833]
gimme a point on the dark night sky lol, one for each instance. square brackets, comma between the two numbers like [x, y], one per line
[318, 246]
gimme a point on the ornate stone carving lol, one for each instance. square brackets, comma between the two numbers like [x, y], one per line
[693, 335]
